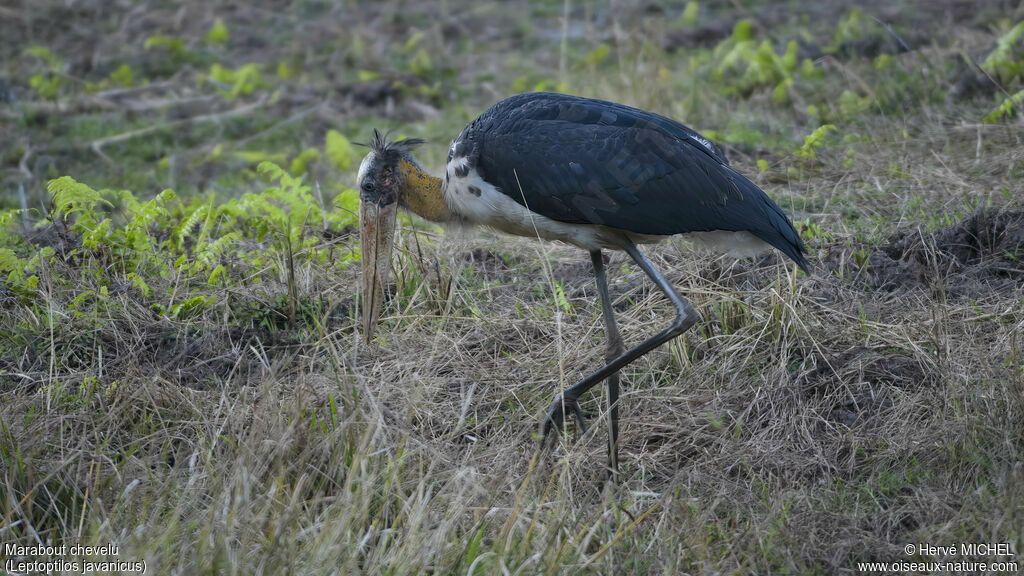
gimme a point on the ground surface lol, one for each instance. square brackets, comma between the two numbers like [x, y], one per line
[183, 377]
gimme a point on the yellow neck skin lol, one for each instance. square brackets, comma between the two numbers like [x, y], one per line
[421, 192]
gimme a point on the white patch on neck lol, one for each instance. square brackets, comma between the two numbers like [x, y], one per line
[459, 163]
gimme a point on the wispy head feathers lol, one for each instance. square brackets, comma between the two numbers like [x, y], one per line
[384, 147]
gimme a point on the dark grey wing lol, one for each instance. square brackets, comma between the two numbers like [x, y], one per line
[592, 162]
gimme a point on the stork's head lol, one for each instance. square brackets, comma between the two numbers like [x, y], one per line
[382, 177]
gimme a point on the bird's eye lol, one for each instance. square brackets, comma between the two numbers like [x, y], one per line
[368, 185]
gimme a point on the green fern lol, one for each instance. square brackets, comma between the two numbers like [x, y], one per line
[140, 284]
[1005, 109]
[561, 300]
[218, 34]
[123, 76]
[339, 150]
[748, 65]
[300, 164]
[48, 81]
[70, 196]
[209, 253]
[234, 83]
[190, 306]
[690, 14]
[1004, 61]
[850, 27]
[214, 278]
[812, 141]
[136, 231]
[14, 266]
[136, 242]
[183, 230]
[6, 218]
[173, 44]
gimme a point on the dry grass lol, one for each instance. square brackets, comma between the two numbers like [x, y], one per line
[806, 424]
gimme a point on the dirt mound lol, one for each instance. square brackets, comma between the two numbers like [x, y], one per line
[979, 255]
[492, 265]
[859, 381]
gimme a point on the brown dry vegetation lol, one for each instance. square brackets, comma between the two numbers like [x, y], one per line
[807, 423]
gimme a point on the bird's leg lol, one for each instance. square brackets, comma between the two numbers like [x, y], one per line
[556, 416]
[686, 317]
[614, 350]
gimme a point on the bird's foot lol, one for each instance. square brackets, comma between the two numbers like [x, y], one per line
[556, 416]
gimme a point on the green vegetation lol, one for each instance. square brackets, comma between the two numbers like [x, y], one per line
[181, 370]
[193, 251]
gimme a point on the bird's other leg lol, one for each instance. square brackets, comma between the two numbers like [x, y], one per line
[686, 316]
[614, 350]
[570, 401]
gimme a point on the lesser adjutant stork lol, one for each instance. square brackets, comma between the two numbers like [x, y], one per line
[595, 174]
